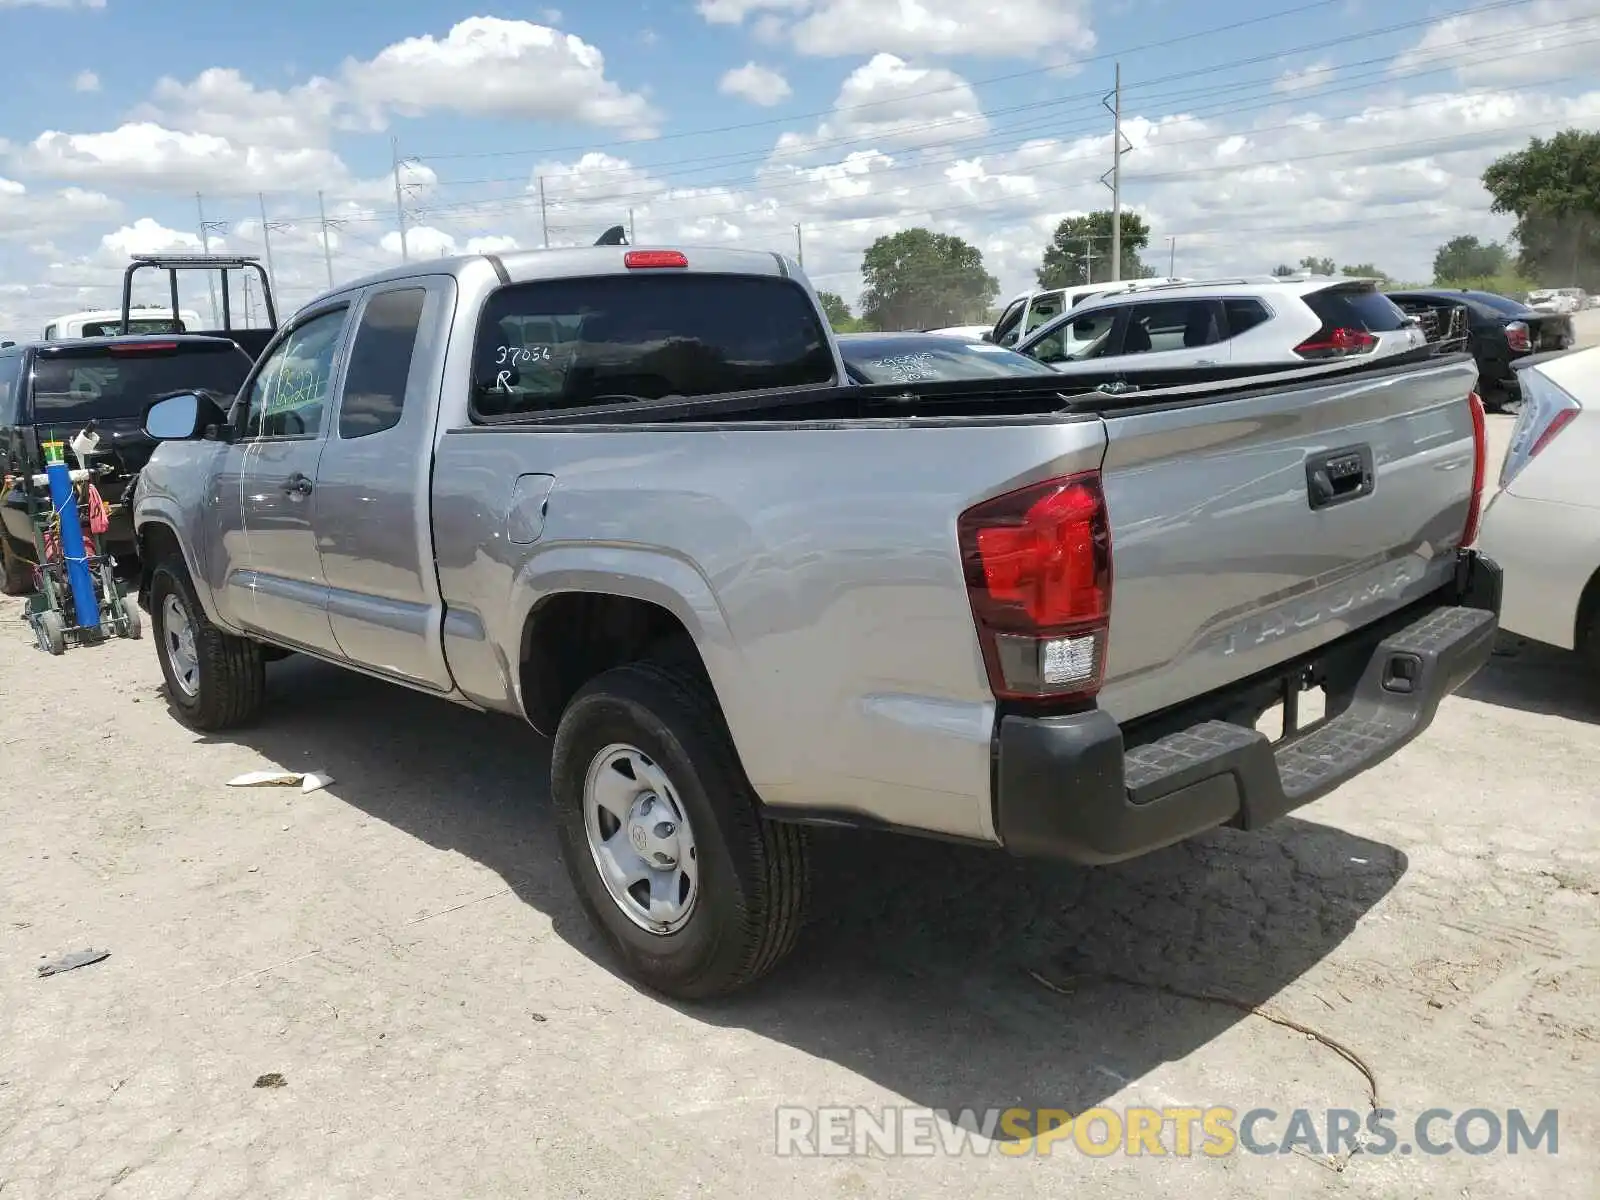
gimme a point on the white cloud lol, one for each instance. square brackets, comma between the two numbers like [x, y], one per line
[86, 81]
[25, 214]
[222, 102]
[756, 83]
[888, 102]
[1305, 79]
[148, 236]
[984, 28]
[1537, 42]
[487, 66]
[150, 156]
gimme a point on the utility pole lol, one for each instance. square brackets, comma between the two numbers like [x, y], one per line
[266, 238]
[249, 309]
[399, 205]
[630, 227]
[205, 244]
[544, 214]
[1172, 257]
[1113, 104]
[799, 244]
[327, 252]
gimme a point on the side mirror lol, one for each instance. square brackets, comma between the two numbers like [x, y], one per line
[181, 416]
[988, 335]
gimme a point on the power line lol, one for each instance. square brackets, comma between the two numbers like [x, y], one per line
[719, 130]
[493, 206]
[1089, 100]
[925, 161]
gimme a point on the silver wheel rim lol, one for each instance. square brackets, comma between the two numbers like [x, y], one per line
[177, 637]
[640, 839]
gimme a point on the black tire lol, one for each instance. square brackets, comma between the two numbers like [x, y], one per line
[16, 573]
[53, 630]
[232, 680]
[753, 873]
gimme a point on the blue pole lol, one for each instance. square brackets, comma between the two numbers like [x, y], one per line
[65, 501]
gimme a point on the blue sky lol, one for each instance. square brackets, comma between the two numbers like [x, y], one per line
[1294, 132]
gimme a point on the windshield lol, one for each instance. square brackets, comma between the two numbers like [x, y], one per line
[1537, 297]
[104, 383]
[912, 360]
[564, 343]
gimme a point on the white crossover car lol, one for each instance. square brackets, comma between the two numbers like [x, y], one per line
[1229, 322]
[1543, 526]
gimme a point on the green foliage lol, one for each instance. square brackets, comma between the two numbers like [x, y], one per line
[1366, 271]
[1080, 250]
[1283, 270]
[918, 279]
[1552, 187]
[1319, 266]
[838, 312]
[1465, 257]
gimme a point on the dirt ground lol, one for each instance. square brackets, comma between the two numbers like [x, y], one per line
[402, 948]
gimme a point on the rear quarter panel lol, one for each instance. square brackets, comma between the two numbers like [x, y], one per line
[816, 568]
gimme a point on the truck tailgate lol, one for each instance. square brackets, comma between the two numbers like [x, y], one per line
[1231, 557]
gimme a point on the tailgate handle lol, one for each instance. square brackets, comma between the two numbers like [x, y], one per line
[1339, 476]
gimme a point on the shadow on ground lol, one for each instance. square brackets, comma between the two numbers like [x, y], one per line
[915, 971]
[1537, 679]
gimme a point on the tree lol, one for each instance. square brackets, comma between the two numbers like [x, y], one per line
[1364, 271]
[837, 310]
[1319, 266]
[1553, 189]
[917, 278]
[1080, 250]
[1283, 270]
[1465, 257]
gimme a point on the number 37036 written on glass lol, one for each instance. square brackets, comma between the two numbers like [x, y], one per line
[512, 356]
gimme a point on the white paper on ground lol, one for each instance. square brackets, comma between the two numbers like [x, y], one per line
[306, 781]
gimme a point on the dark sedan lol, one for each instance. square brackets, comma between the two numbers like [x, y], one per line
[929, 357]
[1499, 330]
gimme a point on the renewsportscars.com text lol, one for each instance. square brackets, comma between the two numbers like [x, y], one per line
[1213, 1132]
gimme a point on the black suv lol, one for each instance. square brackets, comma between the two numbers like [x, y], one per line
[49, 391]
[1498, 330]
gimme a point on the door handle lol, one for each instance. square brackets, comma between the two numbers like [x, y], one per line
[298, 485]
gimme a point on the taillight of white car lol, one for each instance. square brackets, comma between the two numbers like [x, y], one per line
[1546, 410]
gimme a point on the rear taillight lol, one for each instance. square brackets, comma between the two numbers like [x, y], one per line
[636, 260]
[1038, 572]
[1519, 337]
[1337, 343]
[1547, 409]
[1480, 463]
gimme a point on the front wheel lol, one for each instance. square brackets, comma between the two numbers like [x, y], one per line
[695, 892]
[214, 680]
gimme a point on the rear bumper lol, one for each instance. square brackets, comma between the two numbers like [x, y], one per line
[1066, 787]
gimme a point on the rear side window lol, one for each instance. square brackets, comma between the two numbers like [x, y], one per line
[568, 343]
[1244, 315]
[10, 373]
[1351, 308]
[107, 382]
[1171, 325]
[380, 363]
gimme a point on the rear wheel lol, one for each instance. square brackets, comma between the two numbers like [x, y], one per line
[53, 632]
[693, 890]
[214, 680]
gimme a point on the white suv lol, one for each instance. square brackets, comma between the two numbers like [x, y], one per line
[1230, 322]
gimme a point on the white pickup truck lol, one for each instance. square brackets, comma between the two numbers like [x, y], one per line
[628, 495]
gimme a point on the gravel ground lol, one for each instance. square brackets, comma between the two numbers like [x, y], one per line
[402, 948]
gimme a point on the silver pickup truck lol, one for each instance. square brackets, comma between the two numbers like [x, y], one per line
[625, 494]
